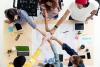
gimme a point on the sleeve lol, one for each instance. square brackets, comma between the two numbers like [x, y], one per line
[29, 19]
[95, 5]
[35, 56]
[69, 50]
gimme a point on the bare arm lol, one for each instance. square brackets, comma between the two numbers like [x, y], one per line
[46, 20]
[60, 42]
[67, 13]
[63, 17]
[92, 14]
[37, 53]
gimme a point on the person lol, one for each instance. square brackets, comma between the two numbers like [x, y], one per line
[50, 10]
[21, 61]
[19, 16]
[74, 60]
[56, 55]
[80, 11]
[48, 65]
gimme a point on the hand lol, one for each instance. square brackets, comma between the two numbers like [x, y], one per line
[43, 38]
[86, 21]
[49, 41]
[7, 21]
[53, 38]
[52, 31]
[48, 36]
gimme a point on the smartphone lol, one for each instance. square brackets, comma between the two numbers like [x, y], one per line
[18, 26]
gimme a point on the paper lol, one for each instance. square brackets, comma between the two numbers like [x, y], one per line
[86, 40]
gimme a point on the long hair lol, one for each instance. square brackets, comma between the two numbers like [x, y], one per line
[54, 4]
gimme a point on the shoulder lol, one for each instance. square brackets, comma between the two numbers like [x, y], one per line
[22, 13]
[94, 4]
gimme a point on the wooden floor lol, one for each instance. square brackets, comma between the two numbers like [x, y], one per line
[26, 40]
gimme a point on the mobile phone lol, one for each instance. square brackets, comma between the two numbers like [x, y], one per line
[18, 26]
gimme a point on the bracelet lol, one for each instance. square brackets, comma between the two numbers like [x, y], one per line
[55, 26]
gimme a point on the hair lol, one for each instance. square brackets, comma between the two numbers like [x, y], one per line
[77, 60]
[54, 4]
[48, 65]
[19, 61]
[10, 13]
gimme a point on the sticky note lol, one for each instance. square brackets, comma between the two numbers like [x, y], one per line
[10, 29]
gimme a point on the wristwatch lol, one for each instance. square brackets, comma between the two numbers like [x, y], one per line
[55, 26]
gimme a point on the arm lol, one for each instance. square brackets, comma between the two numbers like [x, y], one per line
[60, 21]
[30, 22]
[60, 42]
[37, 53]
[92, 14]
[34, 27]
[66, 47]
[40, 32]
[63, 18]
[7, 21]
[46, 20]
[54, 50]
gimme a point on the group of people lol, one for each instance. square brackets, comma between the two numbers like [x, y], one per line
[79, 10]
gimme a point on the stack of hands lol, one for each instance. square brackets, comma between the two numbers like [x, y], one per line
[48, 37]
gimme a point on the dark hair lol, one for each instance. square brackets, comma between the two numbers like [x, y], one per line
[10, 13]
[48, 65]
[54, 4]
[19, 61]
[86, 5]
[77, 60]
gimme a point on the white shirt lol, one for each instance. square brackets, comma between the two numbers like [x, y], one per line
[82, 14]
